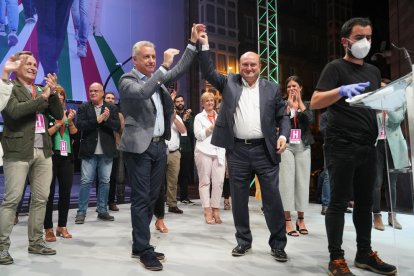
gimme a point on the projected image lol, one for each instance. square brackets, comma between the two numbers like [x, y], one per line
[84, 40]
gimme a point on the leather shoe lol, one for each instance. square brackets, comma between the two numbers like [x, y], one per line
[113, 207]
[279, 255]
[240, 250]
[175, 210]
[150, 261]
[160, 256]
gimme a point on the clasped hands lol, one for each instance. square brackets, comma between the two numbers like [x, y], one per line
[170, 53]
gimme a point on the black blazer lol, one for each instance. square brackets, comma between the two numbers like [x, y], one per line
[88, 128]
[273, 117]
[304, 120]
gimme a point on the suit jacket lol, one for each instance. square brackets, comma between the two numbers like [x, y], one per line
[273, 117]
[89, 128]
[139, 108]
[19, 122]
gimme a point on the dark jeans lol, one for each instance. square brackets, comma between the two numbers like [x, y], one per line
[242, 161]
[63, 171]
[226, 188]
[159, 208]
[52, 23]
[116, 181]
[113, 181]
[352, 172]
[391, 186]
[29, 8]
[185, 177]
[146, 172]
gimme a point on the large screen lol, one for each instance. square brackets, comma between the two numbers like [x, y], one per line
[84, 40]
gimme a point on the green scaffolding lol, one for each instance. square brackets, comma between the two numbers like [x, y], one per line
[268, 39]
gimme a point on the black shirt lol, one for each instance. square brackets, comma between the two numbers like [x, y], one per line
[354, 124]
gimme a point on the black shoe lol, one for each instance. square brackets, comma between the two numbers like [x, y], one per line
[372, 262]
[105, 216]
[187, 202]
[158, 255]
[279, 255]
[175, 210]
[150, 261]
[80, 218]
[339, 267]
[240, 250]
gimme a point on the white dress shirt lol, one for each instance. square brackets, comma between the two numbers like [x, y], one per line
[174, 143]
[247, 116]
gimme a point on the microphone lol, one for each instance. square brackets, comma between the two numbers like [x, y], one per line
[118, 66]
[406, 54]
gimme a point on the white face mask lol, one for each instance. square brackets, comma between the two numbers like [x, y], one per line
[360, 49]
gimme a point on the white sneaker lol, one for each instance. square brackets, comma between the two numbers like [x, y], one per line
[30, 20]
[82, 51]
[97, 33]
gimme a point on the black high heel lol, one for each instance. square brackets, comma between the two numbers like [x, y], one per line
[302, 231]
[292, 233]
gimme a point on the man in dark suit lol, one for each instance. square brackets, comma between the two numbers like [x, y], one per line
[148, 110]
[252, 110]
[96, 121]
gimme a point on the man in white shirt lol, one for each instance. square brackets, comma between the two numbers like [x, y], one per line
[252, 126]
[173, 162]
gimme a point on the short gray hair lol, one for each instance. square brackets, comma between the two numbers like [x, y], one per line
[137, 46]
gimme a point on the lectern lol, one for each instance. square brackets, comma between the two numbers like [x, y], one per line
[392, 97]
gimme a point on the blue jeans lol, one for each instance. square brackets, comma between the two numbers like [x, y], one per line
[104, 165]
[52, 23]
[326, 190]
[80, 19]
[12, 13]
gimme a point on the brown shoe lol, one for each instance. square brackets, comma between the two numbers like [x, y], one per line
[227, 205]
[378, 222]
[49, 235]
[160, 226]
[393, 222]
[113, 207]
[63, 232]
[208, 216]
[216, 216]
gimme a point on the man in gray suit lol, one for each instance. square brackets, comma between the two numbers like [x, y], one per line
[252, 110]
[148, 111]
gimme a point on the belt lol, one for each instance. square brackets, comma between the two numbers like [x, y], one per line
[250, 141]
[171, 151]
[157, 139]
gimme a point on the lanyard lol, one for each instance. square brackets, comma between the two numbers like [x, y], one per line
[294, 121]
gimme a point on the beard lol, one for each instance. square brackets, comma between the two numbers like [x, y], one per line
[180, 107]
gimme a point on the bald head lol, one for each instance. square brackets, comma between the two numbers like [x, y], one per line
[96, 93]
[250, 67]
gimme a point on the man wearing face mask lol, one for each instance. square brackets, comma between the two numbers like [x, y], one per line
[350, 147]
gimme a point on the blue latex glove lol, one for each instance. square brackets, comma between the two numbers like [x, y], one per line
[351, 90]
